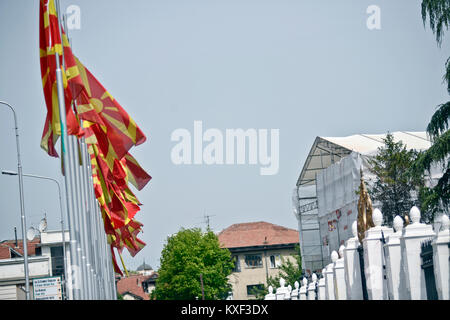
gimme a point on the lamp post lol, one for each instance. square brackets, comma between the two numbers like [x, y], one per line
[12, 173]
[22, 206]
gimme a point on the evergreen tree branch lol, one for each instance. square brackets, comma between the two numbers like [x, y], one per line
[439, 121]
[438, 12]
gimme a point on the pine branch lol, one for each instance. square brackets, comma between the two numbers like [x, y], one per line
[439, 121]
[447, 74]
[438, 12]
[438, 152]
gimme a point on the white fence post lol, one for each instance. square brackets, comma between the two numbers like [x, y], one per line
[330, 282]
[321, 287]
[294, 294]
[303, 289]
[270, 295]
[312, 287]
[339, 275]
[352, 267]
[287, 296]
[395, 275]
[374, 258]
[282, 290]
[413, 235]
[441, 259]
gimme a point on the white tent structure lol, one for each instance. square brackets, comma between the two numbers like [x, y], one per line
[325, 197]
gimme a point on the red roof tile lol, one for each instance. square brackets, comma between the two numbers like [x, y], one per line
[256, 234]
[133, 285]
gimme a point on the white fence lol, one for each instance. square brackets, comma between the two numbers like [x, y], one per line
[395, 264]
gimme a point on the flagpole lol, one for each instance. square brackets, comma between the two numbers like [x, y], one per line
[81, 226]
[111, 277]
[103, 259]
[77, 193]
[85, 211]
[84, 238]
[70, 180]
[91, 225]
[87, 220]
[107, 263]
[95, 224]
[22, 205]
[93, 221]
[95, 218]
[101, 254]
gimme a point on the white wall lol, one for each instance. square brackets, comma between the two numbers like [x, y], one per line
[12, 269]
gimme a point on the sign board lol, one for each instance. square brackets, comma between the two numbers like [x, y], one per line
[47, 288]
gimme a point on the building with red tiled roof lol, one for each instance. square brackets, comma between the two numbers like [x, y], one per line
[136, 287]
[45, 259]
[254, 234]
[14, 248]
[259, 249]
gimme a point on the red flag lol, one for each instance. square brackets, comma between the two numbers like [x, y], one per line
[96, 104]
[50, 44]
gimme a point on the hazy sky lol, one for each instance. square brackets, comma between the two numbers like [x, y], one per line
[308, 68]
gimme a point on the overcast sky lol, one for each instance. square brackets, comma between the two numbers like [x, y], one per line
[308, 68]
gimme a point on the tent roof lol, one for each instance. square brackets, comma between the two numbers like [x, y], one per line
[328, 150]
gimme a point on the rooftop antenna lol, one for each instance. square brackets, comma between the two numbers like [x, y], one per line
[207, 220]
[15, 235]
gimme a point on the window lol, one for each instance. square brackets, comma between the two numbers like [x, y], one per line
[237, 263]
[253, 261]
[57, 256]
[275, 261]
[253, 289]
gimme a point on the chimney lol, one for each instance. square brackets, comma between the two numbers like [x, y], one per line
[15, 235]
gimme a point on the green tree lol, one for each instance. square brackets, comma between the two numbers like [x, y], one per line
[437, 197]
[187, 255]
[396, 187]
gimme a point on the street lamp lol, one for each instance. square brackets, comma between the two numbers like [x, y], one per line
[22, 206]
[12, 173]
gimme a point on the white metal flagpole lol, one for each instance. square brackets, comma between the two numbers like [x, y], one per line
[70, 182]
[68, 177]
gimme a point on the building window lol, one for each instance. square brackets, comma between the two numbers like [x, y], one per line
[253, 261]
[237, 264]
[57, 256]
[253, 289]
[275, 261]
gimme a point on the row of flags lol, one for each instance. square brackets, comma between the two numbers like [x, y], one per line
[109, 132]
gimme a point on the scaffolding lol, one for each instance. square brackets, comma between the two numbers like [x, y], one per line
[325, 152]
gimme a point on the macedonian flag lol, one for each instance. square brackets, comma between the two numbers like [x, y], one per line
[50, 44]
[96, 104]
